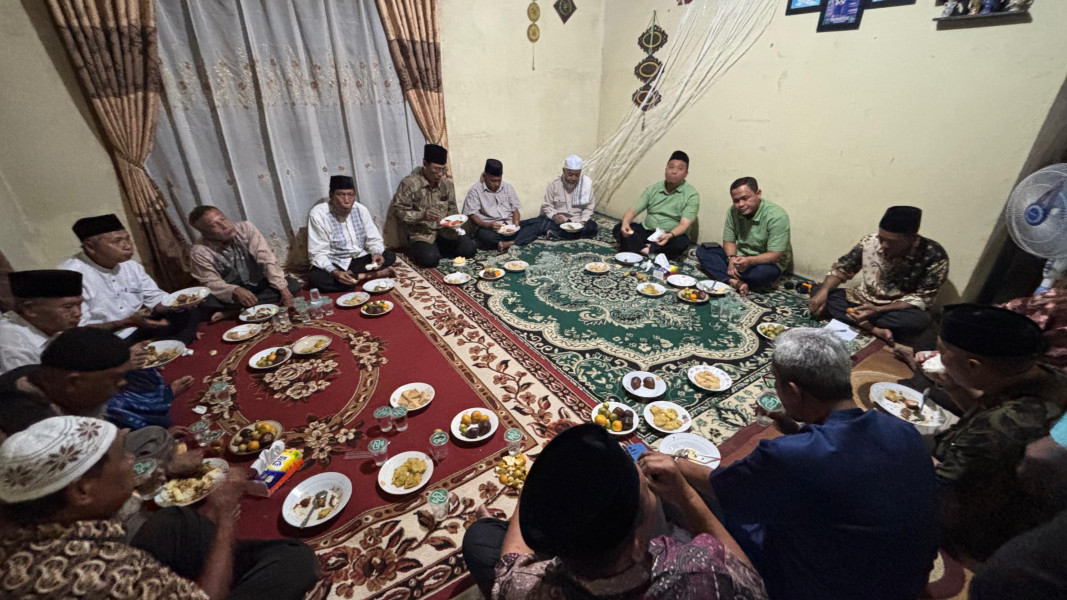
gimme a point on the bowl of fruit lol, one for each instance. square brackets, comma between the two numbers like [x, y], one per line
[771, 330]
[474, 425]
[616, 417]
[255, 437]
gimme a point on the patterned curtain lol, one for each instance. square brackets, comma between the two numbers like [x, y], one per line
[112, 45]
[415, 43]
[5, 288]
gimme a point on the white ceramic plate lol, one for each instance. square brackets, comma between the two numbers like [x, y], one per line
[422, 387]
[236, 448]
[453, 220]
[763, 327]
[660, 290]
[163, 498]
[690, 441]
[484, 274]
[724, 380]
[683, 415]
[597, 268]
[165, 346]
[306, 345]
[494, 422]
[682, 281]
[715, 288]
[353, 299]
[516, 265]
[248, 315]
[508, 229]
[308, 488]
[641, 391]
[457, 278]
[280, 359]
[388, 308]
[931, 415]
[199, 291]
[571, 226]
[613, 406]
[707, 297]
[630, 258]
[385, 475]
[241, 333]
[379, 286]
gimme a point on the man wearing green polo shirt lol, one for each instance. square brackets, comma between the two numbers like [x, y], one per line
[672, 207]
[755, 247]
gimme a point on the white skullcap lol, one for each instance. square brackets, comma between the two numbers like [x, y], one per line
[50, 455]
[573, 162]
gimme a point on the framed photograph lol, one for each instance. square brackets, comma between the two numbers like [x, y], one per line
[883, 3]
[838, 15]
[798, 7]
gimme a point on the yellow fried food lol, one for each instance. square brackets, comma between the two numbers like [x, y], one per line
[409, 474]
[412, 399]
[707, 379]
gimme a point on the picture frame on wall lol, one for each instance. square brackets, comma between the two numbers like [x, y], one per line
[840, 15]
[885, 3]
[799, 7]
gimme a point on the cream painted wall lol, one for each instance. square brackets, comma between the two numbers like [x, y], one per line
[838, 126]
[496, 107]
[53, 168]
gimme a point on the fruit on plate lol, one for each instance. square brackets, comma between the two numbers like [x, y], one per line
[693, 295]
[614, 419]
[376, 308]
[772, 331]
[254, 437]
[474, 424]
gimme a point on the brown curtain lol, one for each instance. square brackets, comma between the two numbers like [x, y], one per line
[112, 45]
[5, 288]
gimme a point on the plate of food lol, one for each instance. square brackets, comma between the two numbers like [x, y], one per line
[771, 330]
[629, 258]
[301, 503]
[491, 274]
[616, 417]
[379, 286]
[453, 220]
[682, 281]
[598, 267]
[903, 402]
[405, 473]
[457, 278]
[654, 290]
[474, 424]
[270, 357]
[693, 295]
[715, 288]
[241, 333]
[707, 377]
[571, 226]
[254, 437]
[311, 344]
[187, 490]
[667, 417]
[508, 229]
[516, 265]
[352, 299]
[162, 352]
[644, 384]
[376, 308]
[187, 298]
[258, 313]
[412, 396]
[693, 447]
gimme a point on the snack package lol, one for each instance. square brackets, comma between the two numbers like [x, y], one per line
[275, 474]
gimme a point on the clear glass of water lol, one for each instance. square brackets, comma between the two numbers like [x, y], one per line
[316, 310]
[514, 438]
[438, 501]
[400, 418]
[220, 390]
[327, 307]
[384, 414]
[379, 450]
[439, 445]
[314, 294]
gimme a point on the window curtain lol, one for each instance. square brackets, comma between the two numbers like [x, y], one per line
[264, 101]
[112, 45]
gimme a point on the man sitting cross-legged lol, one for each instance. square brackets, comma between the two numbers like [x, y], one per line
[569, 198]
[672, 206]
[492, 203]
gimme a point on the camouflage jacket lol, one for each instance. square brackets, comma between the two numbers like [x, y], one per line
[413, 198]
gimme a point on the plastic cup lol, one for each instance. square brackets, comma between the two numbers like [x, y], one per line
[379, 450]
[438, 501]
[327, 307]
[400, 418]
[514, 438]
[384, 414]
[316, 310]
[439, 445]
[314, 294]
[221, 391]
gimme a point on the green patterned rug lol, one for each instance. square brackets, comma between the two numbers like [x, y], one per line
[596, 328]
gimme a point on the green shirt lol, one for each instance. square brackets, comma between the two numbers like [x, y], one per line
[766, 231]
[666, 210]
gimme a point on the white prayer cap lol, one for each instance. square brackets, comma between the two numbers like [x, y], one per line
[50, 455]
[573, 162]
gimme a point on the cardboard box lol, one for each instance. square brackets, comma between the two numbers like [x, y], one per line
[280, 470]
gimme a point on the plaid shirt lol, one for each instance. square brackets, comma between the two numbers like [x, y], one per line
[914, 277]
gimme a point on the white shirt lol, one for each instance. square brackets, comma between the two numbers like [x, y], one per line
[113, 294]
[20, 342]
[328, 251]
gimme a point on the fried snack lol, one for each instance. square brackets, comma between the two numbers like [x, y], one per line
[894, 396]
[185, 299]
[412, 399]
[598, 267]
[459, 260]
[153, 357]
[708, 380]
[409, 474]
[193, 488]
[649, 289]
[665, 419]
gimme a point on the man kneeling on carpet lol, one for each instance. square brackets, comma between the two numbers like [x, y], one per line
[844, 507]
[568, 199]
[63, 480]
[344, 245]
[589, 523]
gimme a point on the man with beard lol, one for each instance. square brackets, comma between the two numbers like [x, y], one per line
[568, 199]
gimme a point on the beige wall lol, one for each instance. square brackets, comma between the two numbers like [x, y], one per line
[53, 168]
[838, 126]
[496, 107]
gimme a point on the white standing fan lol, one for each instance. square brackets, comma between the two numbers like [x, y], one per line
[1036, 217]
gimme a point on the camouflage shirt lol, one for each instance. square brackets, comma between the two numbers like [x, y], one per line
[413, 198]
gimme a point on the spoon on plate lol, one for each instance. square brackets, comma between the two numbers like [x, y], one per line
[316, 504]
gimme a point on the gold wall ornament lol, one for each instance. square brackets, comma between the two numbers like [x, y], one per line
[533, 11]
[533, 32]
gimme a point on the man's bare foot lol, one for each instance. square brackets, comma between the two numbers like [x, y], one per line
[216, 317]
[482, 512]
[740, 286]
[386, 272]
[502, 247]
[199, 335]
[883, 334]
[181, 385]
[645, 250]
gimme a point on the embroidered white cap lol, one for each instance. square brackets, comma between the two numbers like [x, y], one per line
[573, 162]
[50, 455]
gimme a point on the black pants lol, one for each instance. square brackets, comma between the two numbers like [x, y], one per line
[488, 239]
[639, 239]
[180, 326]
[325, 282]
[265, 294]
[538, 226]
[905, 324]
[181, 538]
[481, 551]
[428, 255]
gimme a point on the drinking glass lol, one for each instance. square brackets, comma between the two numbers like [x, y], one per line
[400, 418]
[316, 309]
[283, 320]
[221, 391]
[315, 295]
[379, 450]
[439, 445]
[384, 414]
[514, 439]
[327, 307]
[438, 501]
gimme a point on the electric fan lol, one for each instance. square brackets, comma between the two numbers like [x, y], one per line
[1036, 217]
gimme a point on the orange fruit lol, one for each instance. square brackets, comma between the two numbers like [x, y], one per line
[616, 425]
[600, 420]
[465, 419]
[253, 446]
[476, 416]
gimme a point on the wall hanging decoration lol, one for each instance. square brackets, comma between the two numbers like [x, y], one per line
[533, 32]
[838, 15]
[653, 39]
[565, 8]
[885, 3]
[798, 7]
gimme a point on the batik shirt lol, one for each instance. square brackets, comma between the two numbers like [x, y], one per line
[87, 560]
[915, 277]
[700, 569]
[414, 197]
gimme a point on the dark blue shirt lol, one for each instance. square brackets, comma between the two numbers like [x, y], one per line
[846, 509]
